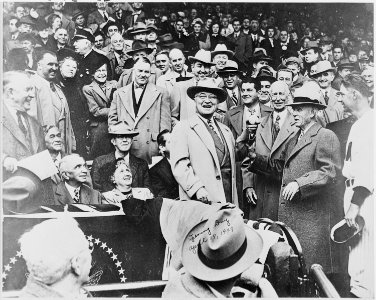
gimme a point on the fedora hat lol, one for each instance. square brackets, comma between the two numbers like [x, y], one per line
[260, 55]
[26, 20]
[139, 46]
[341, 233]
[221, 247]
[111, 23]
[76, 13]
[230, 67]
[66, 52]
[140, 27]
[345, 64]
[310, 45]
[265, 74]
[325, 40]
[167, 41]
[323, 66]
[83, 34]
[207, 85]
[121, 128]
[222, 49]
[202, 56]
[306, 95]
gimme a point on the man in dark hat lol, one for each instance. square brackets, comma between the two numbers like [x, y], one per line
[83, 43]
[104, 166]
[139, 32]
[203, 156]
[109, 30]
[265, 77]
[79, 19]
[26, 24]
[311, 56]
[122, 17]
[307, 170]
[42, 37]
[344, 68]
[259, 60]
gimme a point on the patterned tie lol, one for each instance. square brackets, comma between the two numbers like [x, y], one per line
[276, 125]
[210, 123]
[234, 98]
[76, 197]
[21, 123]
[252, 111]
[326, 97]
[300, 135]
[52, 86]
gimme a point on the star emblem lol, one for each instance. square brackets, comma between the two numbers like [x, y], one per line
[13, 260]
[19, 254]
[118, 264]
[4, 275]
[123, 279]
[121, 271]
[90, 238]
[97, 241]
[114, 256]
[104, 245]
[109, 250]
[7, 268]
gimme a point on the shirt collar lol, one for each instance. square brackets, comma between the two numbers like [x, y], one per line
[71, 189]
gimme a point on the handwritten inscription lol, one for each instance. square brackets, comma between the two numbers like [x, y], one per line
[192, 237]
[217, 222]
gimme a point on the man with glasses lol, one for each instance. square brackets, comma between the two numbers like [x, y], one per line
[203, 152]
[104, 166]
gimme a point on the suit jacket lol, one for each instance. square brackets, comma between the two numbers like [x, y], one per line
[154, 115]
[94, 20]
[168, 80]
[66, 24]
[195, 162]
[267, 189]
[87, 195]
[334, 110]
[124, 21]
[163, 181]
[127, 77]
[313, 162]
[50, 111]
[104, 166]
[242, 46]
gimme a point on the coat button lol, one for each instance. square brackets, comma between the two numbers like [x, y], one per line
[147, 142]
[148, 130]
[148, 118]
[218, 177]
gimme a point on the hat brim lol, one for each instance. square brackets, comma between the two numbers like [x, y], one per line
[147, 50]
[139, 31]
[346, 66]
[266, 78]
[305, 50]
[198, 269]
[193, 90]
[128, 133]
[223, 72]
[327, 70]
[229, 53]
[193, 59]
[341, 233]
[318, 105]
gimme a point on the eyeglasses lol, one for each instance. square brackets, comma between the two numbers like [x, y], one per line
[122, 137]
[206, 96]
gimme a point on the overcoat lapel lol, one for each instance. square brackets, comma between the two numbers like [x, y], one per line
[237, 119]
[13, 128]
[126, 100]
[266, 131]
[286, 131]
[150, 96]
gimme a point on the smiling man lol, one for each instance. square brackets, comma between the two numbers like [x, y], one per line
[203, 155]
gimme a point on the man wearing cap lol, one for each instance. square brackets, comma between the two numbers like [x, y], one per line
[259, 60]
[182, 106]
[359, 193]
[145, 107]
[79, 19]
[83, 45]
[324, 76]
[344, 68]
[104, 166]
[307, 168]
[203, 156]
[265, 77]
[273, 133]
[311, 56]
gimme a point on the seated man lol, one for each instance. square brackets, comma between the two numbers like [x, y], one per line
[58, 258]
[104, 166]
[162, 179]
[73, 189]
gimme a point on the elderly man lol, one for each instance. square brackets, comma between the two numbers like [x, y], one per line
[177, 70]
[203, 156]
[182, 106]
[73, 189]
[145, 107]
[22, 134]
[51, 106]
[307, 170]
[116, 55]
[104, 166]
[324, 76]
[359, 196]
[274, 132]
[59, 40]
[58, 258]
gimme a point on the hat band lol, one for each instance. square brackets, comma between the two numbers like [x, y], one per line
[304, 100]
[225, 263]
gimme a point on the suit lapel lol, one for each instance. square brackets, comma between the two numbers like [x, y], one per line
[133, 165]
[236, 119]
[150, 95]
[264, 110]
[13, 127]
[99, 91]
[63, 196]
[266, 131]
[126, 100]
[85, 195]
[286, 131]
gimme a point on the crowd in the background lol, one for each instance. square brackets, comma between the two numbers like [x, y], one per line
[213, 102]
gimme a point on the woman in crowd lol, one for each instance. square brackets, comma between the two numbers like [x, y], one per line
[98, 95]
[54, 23]
[215, 36]
[122, 180]
[68, 81]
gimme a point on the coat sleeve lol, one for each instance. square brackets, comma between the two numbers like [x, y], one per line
[175, 103]
[95, 175]
[266, 166]
[165, 122]
[180, 162]
[327, 160]
[113, 112]
[94, 108]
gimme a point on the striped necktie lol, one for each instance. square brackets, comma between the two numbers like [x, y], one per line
[76, 197]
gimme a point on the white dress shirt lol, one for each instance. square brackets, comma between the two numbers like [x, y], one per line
[71, 189]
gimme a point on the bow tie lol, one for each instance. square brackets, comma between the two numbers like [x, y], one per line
[136, 86]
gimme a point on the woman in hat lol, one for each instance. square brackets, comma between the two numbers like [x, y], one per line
[122, 181]
[197, 39]
[99, 96]
[68, 81]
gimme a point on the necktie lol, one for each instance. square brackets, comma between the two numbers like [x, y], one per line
[210, 123]
[105, 16]
[21, 123]
[76, 197]
[118, 15]
[234, 98]
[52, 86]
[300, 135]
[252, 111]
[326, 97]
[276, 125]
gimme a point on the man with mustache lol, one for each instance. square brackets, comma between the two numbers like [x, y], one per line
[51, 106]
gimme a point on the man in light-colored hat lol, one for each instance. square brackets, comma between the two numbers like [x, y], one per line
[182, 106]
[103, 166]
[324, 76]
[220, 56]
[203, 155]
[139, 31]
[308, 168]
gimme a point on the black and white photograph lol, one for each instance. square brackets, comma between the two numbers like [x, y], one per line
[187, 149]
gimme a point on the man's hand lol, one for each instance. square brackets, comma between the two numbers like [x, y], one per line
[290, 190]
[203, 195]
[251, 195]
[351, 214]
[10, 164]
